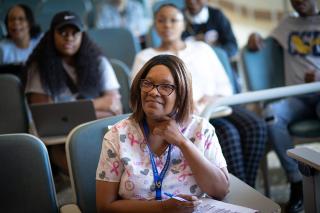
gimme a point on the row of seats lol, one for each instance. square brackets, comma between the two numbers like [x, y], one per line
[269, 61]
[44, 10]
[36, 193]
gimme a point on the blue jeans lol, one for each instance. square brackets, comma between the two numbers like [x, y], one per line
[279, 115]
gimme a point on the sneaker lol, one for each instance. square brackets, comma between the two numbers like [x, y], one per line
[295, 203]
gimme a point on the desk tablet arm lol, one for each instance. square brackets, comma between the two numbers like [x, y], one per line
[309, 166]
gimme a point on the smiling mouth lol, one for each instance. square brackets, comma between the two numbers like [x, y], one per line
[153, 101]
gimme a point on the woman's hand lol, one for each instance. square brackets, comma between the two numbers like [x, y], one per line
[169, 130]
[174, 205]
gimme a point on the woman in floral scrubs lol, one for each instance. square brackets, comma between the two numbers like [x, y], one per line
[162, 152]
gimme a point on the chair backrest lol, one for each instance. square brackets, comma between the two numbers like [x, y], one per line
[49, 8]
[3, 31]
[13, 107]
[265, 68]
[224, 59]
[83, 149]
[26, 178]
[123, 75]
[178, 3]
[118, 43]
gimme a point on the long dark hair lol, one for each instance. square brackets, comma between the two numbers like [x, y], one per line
[35, 29]
[52, 74]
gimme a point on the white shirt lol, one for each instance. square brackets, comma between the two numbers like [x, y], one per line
[34, 84]
[10, 53]
[208, 75]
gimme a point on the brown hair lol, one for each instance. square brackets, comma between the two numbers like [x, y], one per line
[183, 106]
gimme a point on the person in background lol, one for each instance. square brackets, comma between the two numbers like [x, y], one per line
[66, 65]
[299, 37]
[242, 134]
[123, 13]
[23, 35]
[209, 24]
[162, 149]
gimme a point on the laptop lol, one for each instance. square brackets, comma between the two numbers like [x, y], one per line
[58, 119]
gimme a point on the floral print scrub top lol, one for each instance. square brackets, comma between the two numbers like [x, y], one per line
[125, 158]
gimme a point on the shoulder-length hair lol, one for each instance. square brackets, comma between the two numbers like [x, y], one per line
[183, 107]
[34, 30]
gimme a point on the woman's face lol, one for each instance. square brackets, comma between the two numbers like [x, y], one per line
[169, 24]
[18, 26]
[67, 40]
[154, 104]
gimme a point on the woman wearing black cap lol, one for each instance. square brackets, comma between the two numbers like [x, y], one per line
[66, 65]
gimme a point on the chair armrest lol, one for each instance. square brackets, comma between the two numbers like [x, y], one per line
[261, 95]
[69, 208]
[221, 111]
[306, 156]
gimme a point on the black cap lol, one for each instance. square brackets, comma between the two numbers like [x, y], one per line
[65, 18]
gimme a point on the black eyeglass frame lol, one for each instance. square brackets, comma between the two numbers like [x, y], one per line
[159, 87]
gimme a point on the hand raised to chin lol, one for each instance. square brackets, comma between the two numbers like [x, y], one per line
[169, 129]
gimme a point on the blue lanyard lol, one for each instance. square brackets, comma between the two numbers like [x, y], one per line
[157, 178]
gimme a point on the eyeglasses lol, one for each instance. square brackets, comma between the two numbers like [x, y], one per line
[163, 89]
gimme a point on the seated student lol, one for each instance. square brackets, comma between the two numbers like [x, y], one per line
[242, 134]
[299, 37]
[66, 65]
[209, 24]
[123, 13]
[158, 150]
[23, 35]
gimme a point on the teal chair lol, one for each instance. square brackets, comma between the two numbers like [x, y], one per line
[13, 107]
[26, 177]
[83, 149]
[225, 61]
[49, 8]
[264, 69]
[123, 75]
[118, 43]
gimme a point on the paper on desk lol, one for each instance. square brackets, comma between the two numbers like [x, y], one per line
[214, 206]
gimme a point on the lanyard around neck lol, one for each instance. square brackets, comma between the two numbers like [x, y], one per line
[156, 177]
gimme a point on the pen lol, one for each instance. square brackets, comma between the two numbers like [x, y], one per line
[175, 197]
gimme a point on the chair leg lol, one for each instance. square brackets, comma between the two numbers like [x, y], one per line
[264, 168]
